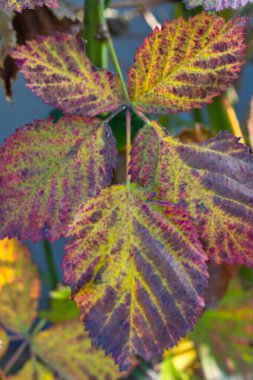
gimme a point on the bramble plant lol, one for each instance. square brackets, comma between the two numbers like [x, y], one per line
[137, 252]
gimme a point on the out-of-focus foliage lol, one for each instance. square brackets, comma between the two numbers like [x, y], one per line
[64, 348]
[227, 333]
[67, 349]
[61, 307]
[3, 342]
[33, 370]
[19, 5]
[217, 5]
[19, 286]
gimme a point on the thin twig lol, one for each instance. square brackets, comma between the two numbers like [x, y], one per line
[110, 117]
[151, 20]
[235, 125]
[141, 116]
[15, 357]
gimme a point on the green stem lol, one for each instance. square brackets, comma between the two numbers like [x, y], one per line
[50, 264]
[197, 115]
[104, 29]
[117, 66]
[96, 47]
[128, 145]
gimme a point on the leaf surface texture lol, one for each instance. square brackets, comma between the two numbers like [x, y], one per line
[47, 169]
[136, 268]
[212, 180]
[58, 70]
[186, 63]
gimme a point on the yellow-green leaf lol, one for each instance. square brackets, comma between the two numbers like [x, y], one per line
[33, 370]
[4, 341]
[58, 70]
[186, 63]
[19, 286]
[67, 349]
[137, 270]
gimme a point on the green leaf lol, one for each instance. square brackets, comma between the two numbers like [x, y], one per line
[62, 308]
[46, 169]
[4, 341]
[135, 267]
[19, 287]
[67, 349]
[212, 180]
[227, 332]
[19, 5]
[186, 63]
[58, 70]
[33, 370]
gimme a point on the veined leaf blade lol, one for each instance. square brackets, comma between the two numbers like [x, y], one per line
[212, 180]
[135, 267]
[186, 63]
[47, 169]
[58, 70]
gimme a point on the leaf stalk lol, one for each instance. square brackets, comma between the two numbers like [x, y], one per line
[128, 145]
[50, 264]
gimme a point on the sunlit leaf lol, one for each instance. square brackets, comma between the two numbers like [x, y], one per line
[46, 169]
[228, 333]
[186, 63]
[67, 349]
[19, 286]
[33, 370]
[217, 5]
[62, 308]
[212, 180]
[58, 70]
[135, 267]
[19, 5]
[4, 341]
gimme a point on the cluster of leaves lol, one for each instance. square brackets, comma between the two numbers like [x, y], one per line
[19, 295]
[136, 253]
